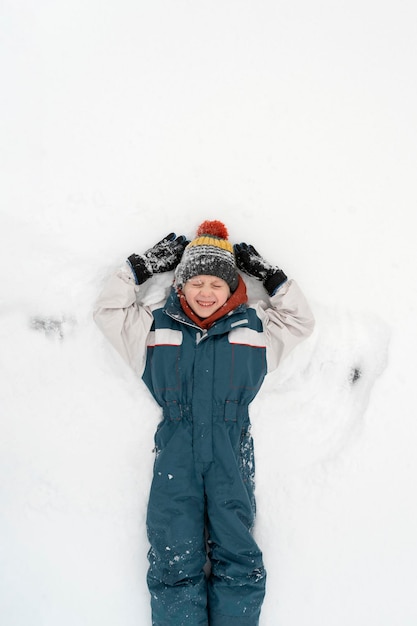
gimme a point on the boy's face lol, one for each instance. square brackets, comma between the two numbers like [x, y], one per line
[206, 294]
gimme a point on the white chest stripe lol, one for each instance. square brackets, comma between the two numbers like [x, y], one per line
[164, 337]
[239, 323]
[247, 337]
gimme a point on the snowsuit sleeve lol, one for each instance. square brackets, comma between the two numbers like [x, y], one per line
[125, 324]
[287, 320]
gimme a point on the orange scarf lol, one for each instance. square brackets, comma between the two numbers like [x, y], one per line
[239, 296]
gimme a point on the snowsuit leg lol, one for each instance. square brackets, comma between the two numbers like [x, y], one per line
[187, 496]
[175, 522]
[237, 582]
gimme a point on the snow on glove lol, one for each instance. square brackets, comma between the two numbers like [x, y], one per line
[250, 261]
[162, 257]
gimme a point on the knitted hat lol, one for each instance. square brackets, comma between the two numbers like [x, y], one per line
[209, 254]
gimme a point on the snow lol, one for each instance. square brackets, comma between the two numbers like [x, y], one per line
[294, 123]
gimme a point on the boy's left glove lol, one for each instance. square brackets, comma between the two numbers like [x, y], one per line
[162, 257]
[250, 261]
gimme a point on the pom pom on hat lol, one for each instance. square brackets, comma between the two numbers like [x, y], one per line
[210, 253]
[214, 227]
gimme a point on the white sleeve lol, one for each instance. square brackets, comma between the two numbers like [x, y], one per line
[287, 320]
[125, 324]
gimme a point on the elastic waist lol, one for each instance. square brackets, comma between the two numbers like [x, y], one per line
[229, 411]
[175, 411]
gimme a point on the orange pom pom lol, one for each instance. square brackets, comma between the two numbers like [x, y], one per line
[213, 228]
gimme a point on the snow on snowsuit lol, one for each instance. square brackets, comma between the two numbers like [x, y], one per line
[202, 493]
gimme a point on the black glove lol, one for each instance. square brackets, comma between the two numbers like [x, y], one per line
[162, 257]
[250, 261]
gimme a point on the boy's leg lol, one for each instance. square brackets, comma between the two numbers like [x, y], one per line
[237, 583]
[175, 522]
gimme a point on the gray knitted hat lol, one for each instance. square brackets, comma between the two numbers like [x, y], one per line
[209, 254]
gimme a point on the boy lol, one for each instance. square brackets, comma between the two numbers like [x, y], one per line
[203, 355]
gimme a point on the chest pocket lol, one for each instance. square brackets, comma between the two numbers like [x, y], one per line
[248, 363]
[164, 353]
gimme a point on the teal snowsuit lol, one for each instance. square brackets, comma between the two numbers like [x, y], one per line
[203, 471]
[202, 493]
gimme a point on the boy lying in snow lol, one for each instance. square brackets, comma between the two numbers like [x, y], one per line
[203, 355]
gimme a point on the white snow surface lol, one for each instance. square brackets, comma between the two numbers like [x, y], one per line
[295, 124]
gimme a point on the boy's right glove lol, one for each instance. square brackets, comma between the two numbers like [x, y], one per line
[162, 257]
[250, 261]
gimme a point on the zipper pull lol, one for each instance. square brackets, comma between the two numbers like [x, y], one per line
[200, 336]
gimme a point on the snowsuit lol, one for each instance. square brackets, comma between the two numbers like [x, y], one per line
[202, 493]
